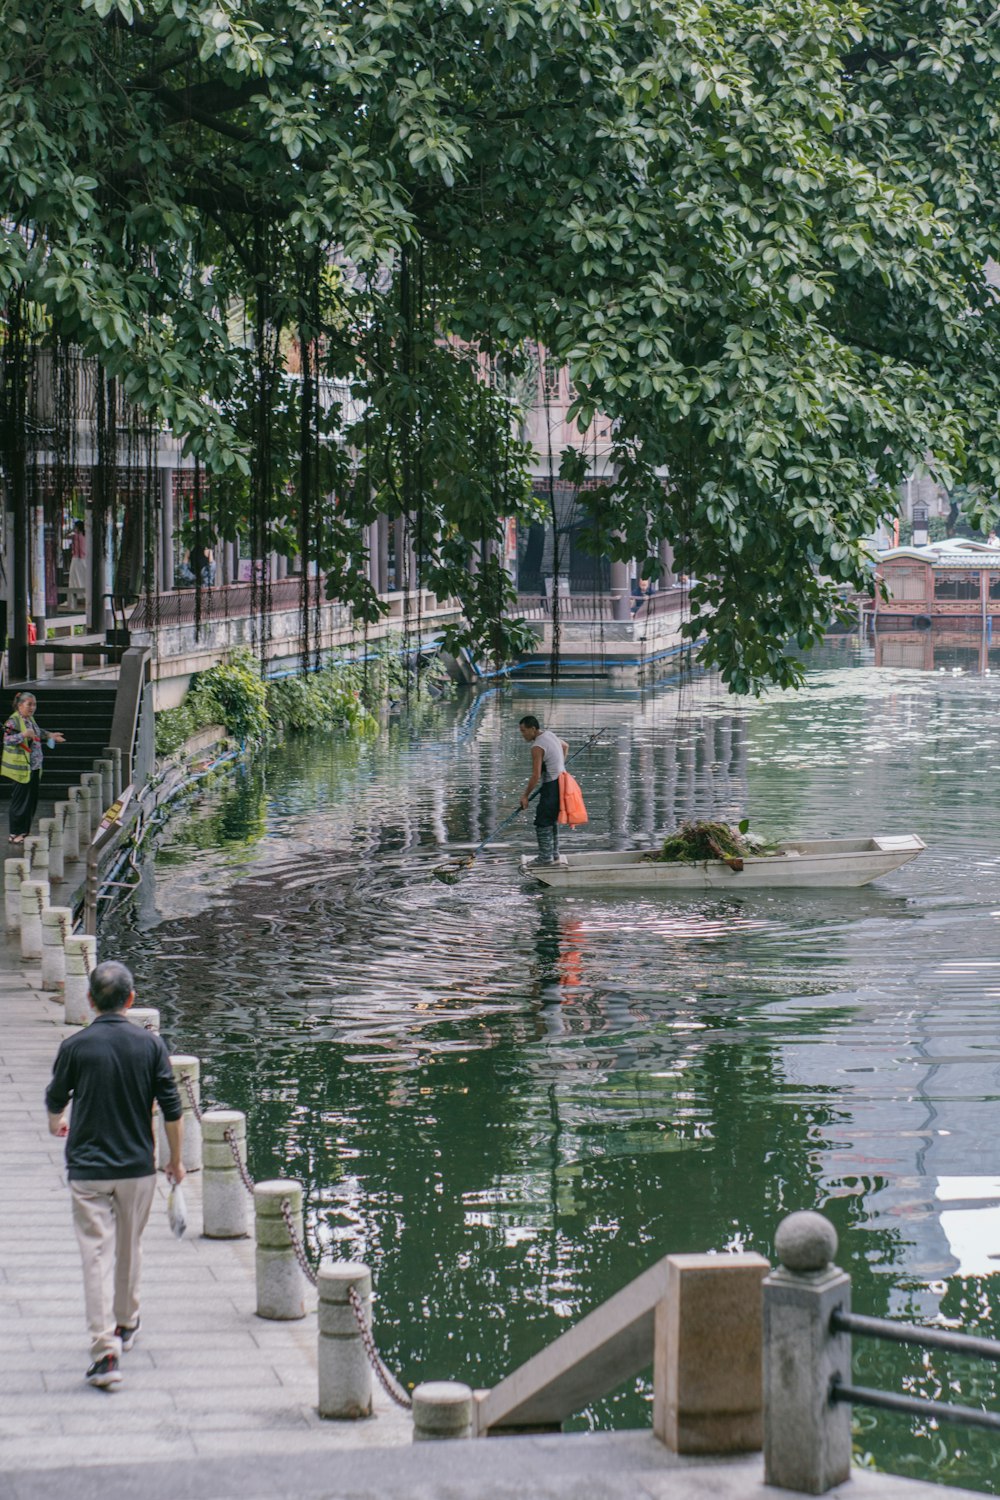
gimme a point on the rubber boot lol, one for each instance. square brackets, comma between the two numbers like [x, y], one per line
[555, 843]
[546, 846]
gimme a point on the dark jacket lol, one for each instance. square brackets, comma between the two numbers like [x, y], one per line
[112, 1070]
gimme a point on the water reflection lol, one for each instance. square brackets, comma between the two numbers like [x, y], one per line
[510, 1101]
[944, 646]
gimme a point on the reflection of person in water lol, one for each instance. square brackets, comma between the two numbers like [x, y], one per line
[559, 968]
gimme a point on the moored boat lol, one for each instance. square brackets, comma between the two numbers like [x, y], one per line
[798, 862]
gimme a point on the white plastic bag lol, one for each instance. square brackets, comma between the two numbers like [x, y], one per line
[176, 1209]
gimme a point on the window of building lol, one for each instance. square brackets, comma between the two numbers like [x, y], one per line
[994, 585]
[551, 380]
[963, 585]
[907, 583]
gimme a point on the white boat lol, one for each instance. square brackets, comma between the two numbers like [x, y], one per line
[800, 862]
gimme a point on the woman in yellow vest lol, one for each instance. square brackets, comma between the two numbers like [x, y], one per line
[22, 763]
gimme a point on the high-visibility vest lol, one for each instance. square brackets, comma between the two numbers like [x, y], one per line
[16, 762]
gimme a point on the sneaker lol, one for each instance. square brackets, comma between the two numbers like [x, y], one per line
[104, 1372]
[127, 1335]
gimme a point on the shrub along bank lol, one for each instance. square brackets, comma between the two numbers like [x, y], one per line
[344, 696]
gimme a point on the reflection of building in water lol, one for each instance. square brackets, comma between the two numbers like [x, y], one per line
[913, 1133]
[941, 647]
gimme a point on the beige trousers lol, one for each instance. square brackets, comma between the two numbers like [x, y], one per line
[109, 1217]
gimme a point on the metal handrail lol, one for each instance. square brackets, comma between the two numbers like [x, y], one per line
[106, 840]
[912, 1333]
[923, 1338]
[916, 1406]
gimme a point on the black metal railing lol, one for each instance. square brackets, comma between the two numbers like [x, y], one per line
[923, 1338]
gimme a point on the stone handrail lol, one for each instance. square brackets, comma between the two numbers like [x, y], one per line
[695, 1318]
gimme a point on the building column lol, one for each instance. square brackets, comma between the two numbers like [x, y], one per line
[166, 530]
[412, 571]
[98, 541]
[405, 555]
[383, 554]
[371, 547]
[621, 593]
[37, 544]
[667, 575]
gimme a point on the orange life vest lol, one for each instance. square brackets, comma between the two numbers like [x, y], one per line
[571, 805]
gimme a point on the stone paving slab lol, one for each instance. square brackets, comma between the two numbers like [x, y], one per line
[585, 1466]
[206, 1376]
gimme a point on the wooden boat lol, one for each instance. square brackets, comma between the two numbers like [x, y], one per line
[800, 862]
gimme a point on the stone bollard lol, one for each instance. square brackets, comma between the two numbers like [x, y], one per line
[105, 765]
[279, 1275]
[106, 769]
[81, 958]
[114, 755]
[71, 824]
[191, 1068]
[807, 1437]
[225, 1199]
[707, 1395]
[146, 1016]
[92, 782]
[34, 900]
[57, 926]
[83, 814]
[52, 829]
[442, 1409]
[82, 804]
[15, 873]
[345, 1374]
[36, 852]
[60, 811]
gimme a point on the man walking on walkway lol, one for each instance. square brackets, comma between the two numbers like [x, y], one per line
[112, 1071]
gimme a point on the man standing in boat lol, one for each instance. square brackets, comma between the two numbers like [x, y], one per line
[548, 761]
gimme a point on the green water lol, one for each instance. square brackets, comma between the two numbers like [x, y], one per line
[509, 1102]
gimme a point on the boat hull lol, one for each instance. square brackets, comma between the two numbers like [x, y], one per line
[802, 863]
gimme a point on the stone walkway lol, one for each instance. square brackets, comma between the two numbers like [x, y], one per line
[207, 1377]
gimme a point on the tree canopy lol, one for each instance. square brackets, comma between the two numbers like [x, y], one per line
[755, 232]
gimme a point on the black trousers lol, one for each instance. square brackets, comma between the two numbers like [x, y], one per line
[547, 811]
[23, 801]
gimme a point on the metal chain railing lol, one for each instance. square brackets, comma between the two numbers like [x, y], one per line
[297, 1245]
[229, 1136]
[185, 1079]
[383, 1374]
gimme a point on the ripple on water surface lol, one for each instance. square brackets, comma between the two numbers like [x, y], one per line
[510, 1101]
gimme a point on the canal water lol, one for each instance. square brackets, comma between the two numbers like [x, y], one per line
[509, 1102]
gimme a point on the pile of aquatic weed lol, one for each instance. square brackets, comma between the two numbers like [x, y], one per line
[694, 842]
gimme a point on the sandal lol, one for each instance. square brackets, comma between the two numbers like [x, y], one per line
[17, 838]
